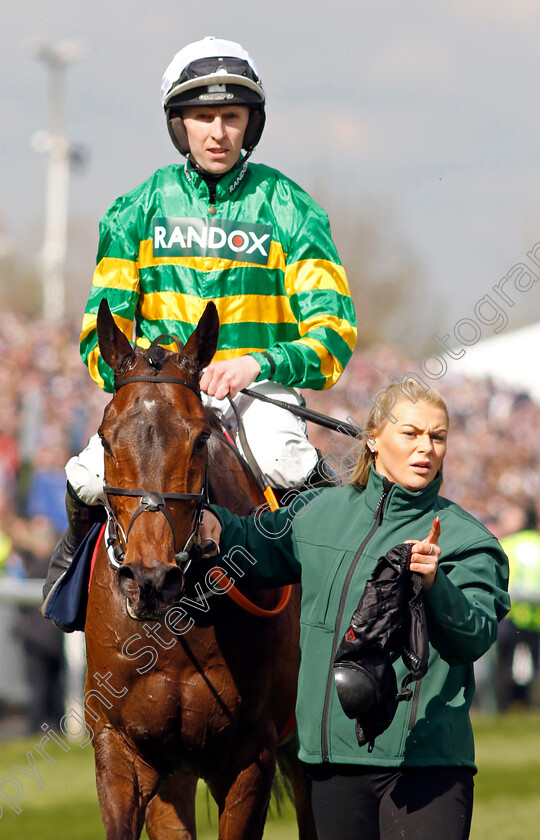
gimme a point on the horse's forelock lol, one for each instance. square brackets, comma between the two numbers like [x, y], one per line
[155, 357]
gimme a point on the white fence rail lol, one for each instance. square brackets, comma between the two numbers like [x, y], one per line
[14, 689]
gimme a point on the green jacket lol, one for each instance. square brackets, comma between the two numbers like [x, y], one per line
[260, 248]
[330, 542]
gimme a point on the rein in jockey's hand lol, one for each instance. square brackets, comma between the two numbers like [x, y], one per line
[228, 378]
[210, 528]
[425, 554]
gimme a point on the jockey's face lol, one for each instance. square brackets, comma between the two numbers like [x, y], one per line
[215, 135]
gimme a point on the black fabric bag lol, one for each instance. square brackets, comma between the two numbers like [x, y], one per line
[389, 619]
[68, 602]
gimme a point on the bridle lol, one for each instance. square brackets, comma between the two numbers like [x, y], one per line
[151, 500]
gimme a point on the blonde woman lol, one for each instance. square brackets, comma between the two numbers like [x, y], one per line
[417, 781]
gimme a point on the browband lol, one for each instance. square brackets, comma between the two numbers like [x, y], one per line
[119, 383]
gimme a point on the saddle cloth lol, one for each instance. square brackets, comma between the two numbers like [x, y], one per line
[67, 604]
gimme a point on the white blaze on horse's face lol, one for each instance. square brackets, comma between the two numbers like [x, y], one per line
[149, 404]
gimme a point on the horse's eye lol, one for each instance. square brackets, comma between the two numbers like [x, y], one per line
[201, 442]
[105, 444]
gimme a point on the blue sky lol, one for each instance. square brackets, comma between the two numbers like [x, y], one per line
[428, 111]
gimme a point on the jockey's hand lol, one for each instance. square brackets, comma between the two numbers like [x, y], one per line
[210, 528]
[425, 554]
[229, 377]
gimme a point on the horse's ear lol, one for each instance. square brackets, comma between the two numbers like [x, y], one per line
[201, 346]
[113, 344]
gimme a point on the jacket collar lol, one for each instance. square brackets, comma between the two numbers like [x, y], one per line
[399, 501]
[226, 187]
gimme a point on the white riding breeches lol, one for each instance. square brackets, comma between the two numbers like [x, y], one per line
[277, 438]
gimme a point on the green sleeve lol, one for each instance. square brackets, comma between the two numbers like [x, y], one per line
[116, 278]
[467, 600]
[319, 297]
[261, 546]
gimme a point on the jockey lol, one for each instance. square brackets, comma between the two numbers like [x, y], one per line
[241, 234]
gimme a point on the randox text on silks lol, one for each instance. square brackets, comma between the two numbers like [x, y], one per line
[220, 238]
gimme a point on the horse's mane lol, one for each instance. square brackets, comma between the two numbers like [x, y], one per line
[218, 430]
[213, 419]
[219, 443]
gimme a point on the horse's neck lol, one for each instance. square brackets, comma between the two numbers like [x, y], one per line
[231, 482]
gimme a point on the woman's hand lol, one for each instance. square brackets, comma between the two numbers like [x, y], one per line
[210, 528]
[425, 554]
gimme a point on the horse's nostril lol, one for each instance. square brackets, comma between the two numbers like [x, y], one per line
[173, 583]
[126, 572]
[127, 583]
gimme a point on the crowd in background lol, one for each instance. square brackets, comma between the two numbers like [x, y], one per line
[50, 406]
[493, 455]
[48, 409]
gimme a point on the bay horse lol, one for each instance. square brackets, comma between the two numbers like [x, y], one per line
[179, 688]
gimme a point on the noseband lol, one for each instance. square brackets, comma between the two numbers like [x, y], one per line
[151, 500]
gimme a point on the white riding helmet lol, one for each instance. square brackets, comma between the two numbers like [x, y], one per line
[212, 72]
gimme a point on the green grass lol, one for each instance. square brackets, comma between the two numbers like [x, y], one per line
[507, 797]
[507, 787]
[66, 806]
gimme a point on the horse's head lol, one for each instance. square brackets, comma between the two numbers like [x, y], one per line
[154, 434]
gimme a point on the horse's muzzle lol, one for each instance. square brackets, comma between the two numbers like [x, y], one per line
[149, 591]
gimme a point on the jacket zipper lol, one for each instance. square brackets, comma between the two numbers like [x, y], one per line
[378, 515]
[414, 707]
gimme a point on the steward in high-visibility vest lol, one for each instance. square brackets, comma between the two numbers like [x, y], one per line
[523, 551]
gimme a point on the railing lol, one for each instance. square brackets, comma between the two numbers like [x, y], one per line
[14, 593]
[21, 592]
